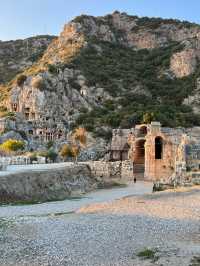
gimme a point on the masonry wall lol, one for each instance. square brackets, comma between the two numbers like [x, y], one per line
[157, 169]
[108, 170]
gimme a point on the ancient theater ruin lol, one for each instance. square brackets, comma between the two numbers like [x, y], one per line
[156, 152]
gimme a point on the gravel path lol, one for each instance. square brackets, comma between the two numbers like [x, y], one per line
[108, 234]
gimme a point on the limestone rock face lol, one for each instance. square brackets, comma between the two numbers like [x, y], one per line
[183, 63]
[132, 31]
[11, 135]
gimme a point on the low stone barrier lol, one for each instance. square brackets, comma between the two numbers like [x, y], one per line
[46, 185]
[109, 170]
[187, 180]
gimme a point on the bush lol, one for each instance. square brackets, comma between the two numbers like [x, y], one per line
[21, 79]
[51, 155]
[148, 254]
[12, 145]
[80, 135]
[75, 150]
[49, 144]
[66, 151]
[52, 69]
[33, 157]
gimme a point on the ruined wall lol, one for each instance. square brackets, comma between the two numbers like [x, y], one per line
[159, 166]
[108, 170]
[57, 184]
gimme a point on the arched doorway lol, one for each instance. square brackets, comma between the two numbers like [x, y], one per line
[139, 159]
[158, 148]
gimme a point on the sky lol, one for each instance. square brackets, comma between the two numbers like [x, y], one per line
[20, 19]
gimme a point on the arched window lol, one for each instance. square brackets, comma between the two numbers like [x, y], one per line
[158, 148]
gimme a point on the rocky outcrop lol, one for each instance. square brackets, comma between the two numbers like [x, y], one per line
[135, 32]
[46, 185]
[184, 63]
[17, 55]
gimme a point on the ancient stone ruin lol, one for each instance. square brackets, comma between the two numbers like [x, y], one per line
[158, 153]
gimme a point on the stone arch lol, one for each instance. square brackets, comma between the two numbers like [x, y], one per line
[158, 148]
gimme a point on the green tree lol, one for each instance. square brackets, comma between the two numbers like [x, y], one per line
[49, 144]
[21, 79]
[52, 155]
[148, 118]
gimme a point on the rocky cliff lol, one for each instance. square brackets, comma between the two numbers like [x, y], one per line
[17, 55]
[105, 72]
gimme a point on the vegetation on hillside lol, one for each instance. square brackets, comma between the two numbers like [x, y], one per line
[139, 81]
[78, 142]
[120, 70]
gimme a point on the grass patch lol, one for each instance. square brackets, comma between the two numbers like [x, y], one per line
[195, 261]
[148, 254]
[110, 184]
[34, 202]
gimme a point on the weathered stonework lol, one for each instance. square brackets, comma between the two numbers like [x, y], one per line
[160, 154]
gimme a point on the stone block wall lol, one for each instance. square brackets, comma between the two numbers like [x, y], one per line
[107, 170]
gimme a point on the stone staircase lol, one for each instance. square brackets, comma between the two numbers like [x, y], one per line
[138, 171]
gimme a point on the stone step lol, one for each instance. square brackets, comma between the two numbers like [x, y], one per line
[138, 168]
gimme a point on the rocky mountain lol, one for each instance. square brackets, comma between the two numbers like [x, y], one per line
[103, 72]
[17, 55]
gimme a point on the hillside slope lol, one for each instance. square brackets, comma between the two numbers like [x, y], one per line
[17, 55]
[105, 72]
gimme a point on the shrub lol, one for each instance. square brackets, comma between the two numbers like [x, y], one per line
[33, 157]
[52, 155]
[12, 145]
[21, 79]
[148, 254]
[80, 135]
[75, 150]
[66, 151]
[52, 69]
[148, 118]
[49, 144]
[3, 109]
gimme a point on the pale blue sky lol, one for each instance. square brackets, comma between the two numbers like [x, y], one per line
[25, 18]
